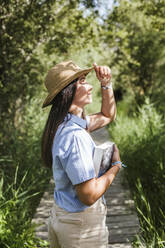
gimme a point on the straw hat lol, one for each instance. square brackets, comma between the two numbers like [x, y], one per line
[60, 76]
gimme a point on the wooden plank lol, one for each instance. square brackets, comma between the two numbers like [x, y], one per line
[119, 201]
[42, 214]
[117, 190]
[113, 239]
[119, 210]
[120, 245]
[123, 224]
[121, 218]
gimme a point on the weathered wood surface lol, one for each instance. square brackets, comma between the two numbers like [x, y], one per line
[122, 219]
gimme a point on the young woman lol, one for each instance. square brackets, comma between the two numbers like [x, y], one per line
[78, 214]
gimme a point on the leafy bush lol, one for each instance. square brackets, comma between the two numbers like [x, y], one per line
[141, 140]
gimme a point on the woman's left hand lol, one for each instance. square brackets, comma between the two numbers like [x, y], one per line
[103, 74]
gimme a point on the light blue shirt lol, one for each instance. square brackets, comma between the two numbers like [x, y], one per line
[73, 150]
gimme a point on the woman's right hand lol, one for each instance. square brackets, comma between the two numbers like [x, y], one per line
[116, 154]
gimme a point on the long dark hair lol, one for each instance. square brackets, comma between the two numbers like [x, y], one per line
[60, 107]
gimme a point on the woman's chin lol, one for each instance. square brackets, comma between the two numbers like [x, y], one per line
[90, 101]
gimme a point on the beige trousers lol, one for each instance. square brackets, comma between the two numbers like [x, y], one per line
[78, 230]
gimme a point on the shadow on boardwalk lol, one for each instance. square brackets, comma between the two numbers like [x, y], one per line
[122, 219]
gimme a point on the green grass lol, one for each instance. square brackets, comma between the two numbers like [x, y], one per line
[16, 229]
[141, 141]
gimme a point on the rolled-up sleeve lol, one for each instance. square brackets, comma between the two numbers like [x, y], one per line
[78, 161]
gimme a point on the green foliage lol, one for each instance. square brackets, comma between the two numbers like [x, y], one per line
[135, 30]
[22, 30]
[141, 141]
[153, 237]
[16, 229]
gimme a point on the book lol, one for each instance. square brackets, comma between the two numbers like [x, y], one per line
[103, 157]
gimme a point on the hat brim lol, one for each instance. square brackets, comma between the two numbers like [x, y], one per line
[78, 74]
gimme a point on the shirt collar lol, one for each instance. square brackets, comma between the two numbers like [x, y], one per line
[79, 121]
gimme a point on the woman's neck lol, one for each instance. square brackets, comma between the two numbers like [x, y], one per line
[76, 110]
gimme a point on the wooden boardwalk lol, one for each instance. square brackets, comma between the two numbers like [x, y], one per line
[122, 219]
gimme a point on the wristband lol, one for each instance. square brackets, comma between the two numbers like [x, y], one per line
[119, 162]
[108, 86]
